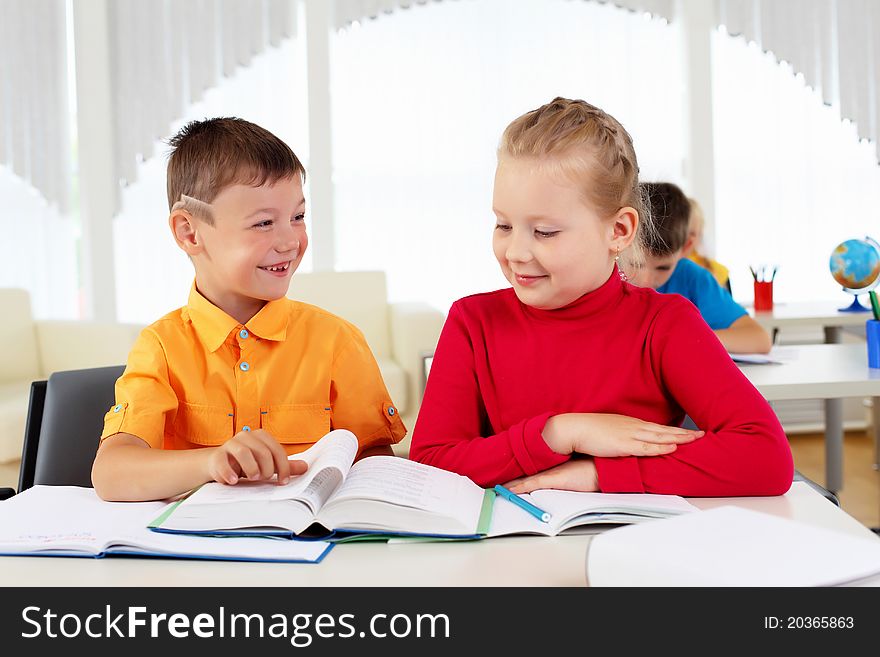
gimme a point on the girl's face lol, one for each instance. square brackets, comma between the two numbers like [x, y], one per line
[551, 244]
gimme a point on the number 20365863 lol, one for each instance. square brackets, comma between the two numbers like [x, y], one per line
[808, 622]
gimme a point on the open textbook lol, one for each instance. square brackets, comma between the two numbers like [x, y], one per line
[386, 495]
[573, 512]
[74, 521]
[379, 494]
[730, 546]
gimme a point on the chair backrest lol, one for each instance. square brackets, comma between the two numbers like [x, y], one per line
[68, 434]
[361, 297]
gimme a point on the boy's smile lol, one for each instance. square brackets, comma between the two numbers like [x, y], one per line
[279, 269]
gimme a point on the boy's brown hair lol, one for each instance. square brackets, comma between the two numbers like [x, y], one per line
[207, 156]
[670, 210]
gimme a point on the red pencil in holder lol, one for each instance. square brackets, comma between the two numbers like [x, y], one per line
[763, 296]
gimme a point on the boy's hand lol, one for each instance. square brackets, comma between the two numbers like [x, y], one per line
[577, 474]
[602, 434]
[255, 455]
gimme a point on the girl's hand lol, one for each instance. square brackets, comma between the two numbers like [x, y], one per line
[252, 454]
[603, 434]
[577, 474]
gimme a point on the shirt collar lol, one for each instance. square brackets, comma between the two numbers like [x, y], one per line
[213, 325]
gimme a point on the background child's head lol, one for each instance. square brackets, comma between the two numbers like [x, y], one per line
[567, 201]
[696, 226]
[237, 209]
[670, 211]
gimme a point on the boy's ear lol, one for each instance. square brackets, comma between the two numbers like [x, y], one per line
[624, 226]
[689, 244]
[185, 230]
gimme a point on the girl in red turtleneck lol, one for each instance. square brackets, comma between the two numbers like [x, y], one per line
[573, 378]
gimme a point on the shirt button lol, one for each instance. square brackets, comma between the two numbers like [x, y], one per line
[117, 408]
[391, 410]
[243, 334]
[245, 428]
[244, 367]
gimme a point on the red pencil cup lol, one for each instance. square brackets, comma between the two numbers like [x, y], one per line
[763, 296]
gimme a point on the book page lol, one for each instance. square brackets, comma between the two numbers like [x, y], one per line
[334, 452]
[729, 546]
[777, 356]
[396, 494]
[67, 518]
[70, 520]
[572, 509]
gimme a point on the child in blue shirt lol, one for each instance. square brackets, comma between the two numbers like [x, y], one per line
[665, 269]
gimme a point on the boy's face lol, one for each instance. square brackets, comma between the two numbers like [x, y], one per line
[656, 270]
[552, 246]
[257, 241]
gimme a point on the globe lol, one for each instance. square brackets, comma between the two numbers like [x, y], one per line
[855, 264]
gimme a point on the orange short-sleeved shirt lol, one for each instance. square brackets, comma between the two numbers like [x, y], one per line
[197, 377]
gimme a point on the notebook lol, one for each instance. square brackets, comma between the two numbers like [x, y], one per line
[730, 546]
[73, 521]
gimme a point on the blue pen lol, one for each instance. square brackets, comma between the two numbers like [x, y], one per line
[510, 496]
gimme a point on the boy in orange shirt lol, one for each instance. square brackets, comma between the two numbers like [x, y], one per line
[229, 385]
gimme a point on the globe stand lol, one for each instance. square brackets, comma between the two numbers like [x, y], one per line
[855, 307]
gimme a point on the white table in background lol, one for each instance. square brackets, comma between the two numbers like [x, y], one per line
[822, 314]
[827, 316]
[508, 561]
[821, 371]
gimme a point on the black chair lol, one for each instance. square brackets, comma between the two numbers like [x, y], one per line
[63, 428]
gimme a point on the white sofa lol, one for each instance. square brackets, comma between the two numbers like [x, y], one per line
[36, 348]
[399, 335]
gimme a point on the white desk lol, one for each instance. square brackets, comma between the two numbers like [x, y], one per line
[827, 316]
[821, 371]
[558, 561]
[823, 314]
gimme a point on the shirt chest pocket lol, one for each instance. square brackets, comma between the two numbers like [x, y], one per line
[296, 423]
[203, 425]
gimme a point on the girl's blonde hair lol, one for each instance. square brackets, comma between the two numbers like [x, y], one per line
[592, 149]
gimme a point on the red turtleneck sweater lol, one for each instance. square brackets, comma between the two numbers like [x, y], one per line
[502, 368]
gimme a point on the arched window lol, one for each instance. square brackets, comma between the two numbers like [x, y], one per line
[421, 97]
[791, 179]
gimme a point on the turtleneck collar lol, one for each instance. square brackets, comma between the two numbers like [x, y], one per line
[590, 304]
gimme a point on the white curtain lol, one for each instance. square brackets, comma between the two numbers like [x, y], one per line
[39, 249]
[792, 180]
[165, 54]
[348, 11]
[420, 99]
[34, 137]
[834, 44]
[39, 233]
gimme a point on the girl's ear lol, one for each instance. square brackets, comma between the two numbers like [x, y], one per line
[624, 227]
[185, 230]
